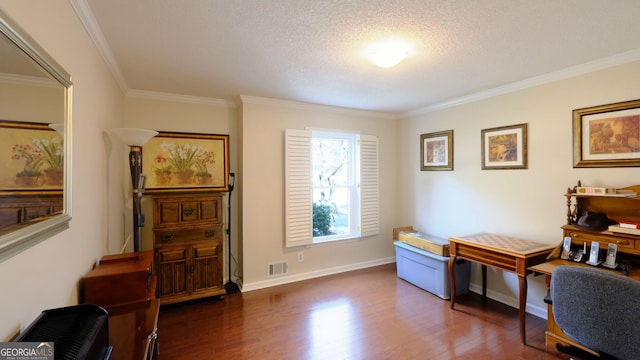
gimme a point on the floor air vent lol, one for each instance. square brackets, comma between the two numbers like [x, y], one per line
[277, 269]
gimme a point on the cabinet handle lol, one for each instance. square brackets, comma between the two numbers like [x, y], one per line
[188, 211]
[209, 233]
[622, 242]
[166, 237]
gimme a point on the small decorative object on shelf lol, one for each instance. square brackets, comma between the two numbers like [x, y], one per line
[629, 225]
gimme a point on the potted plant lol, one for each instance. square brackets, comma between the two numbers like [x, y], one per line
[203, 176]
[31, 174]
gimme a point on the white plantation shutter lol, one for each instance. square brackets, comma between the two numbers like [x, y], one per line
[298, 194]
[369, 200]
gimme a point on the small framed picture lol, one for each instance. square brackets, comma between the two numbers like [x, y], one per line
[504, 147]
[436, 151]
[607, 135]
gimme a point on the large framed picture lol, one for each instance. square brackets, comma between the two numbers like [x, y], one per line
[173, 161]
[504, 147]
[32, 157]
[607, 135]
[436, 151]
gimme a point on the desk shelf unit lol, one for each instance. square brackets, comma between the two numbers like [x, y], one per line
[616, 208]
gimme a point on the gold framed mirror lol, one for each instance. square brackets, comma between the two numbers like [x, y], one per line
[35, 138]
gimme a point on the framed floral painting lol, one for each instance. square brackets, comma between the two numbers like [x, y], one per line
[186, 161]
[32, 157]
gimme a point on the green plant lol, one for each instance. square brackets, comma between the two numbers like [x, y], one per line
[202, 160]
[321, 219]
[162, 167]
[52, 153]
[31, 155]
[181, 157]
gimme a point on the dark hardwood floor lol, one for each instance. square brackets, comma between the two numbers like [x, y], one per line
[364, 314]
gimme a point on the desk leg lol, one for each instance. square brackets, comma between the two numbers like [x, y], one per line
[523, 307]
[452, 277]
[484, 282]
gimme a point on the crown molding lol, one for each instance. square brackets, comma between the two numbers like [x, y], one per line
[154, 95]
[28, 80]
[90, 24]
[316, 107]
[604, 63]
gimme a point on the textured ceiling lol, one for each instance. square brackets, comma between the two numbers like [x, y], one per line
[313, 50]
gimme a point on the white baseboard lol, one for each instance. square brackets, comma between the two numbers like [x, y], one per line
[314, 274]
[540, 312]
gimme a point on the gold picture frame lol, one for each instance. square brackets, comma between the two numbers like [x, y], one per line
[436, 151]
[174, 161]
[607, 135]
[504, 147]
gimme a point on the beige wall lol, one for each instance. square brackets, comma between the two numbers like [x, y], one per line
[47, 275]
[263, 125]
[521, 203]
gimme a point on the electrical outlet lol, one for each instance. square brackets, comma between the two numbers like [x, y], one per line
[300, 256]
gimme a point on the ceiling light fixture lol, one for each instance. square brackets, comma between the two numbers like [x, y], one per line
[386, 56]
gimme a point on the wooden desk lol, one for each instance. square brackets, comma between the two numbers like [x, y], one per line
[554, 334]
[502, 252]
[133, 334]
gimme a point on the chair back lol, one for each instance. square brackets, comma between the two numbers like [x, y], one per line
[598, 309]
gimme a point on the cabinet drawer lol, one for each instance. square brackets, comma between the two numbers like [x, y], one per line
[579, 237]
[179, 254]
[181, 210]
[205, 251]
[167, 237]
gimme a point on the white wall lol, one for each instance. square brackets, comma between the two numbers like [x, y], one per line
[262, 183]
[523, 203]
[47, 275]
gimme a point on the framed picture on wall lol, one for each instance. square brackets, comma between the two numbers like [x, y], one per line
[32, 157]
[607, 135]
[504, 147]
[436, 151]
[175, 161]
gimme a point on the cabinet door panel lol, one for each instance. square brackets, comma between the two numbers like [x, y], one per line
[169, 212]
[190, 211]
[211, 210]
[206, 274]
[172, 272]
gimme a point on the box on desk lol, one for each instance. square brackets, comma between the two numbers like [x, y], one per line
[429, 271]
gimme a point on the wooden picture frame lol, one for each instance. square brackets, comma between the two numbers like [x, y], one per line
[504, 147]
[33, 158]
[607, 135]
[436, 151]
[174, 161]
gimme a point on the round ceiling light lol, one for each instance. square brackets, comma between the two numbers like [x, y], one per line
[386, 56]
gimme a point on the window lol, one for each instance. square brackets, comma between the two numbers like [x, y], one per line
[331, 186]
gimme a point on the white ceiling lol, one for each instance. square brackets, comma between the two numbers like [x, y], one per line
[313, 50]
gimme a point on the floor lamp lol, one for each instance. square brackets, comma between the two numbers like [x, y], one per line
[135, 138]
[230, 286]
